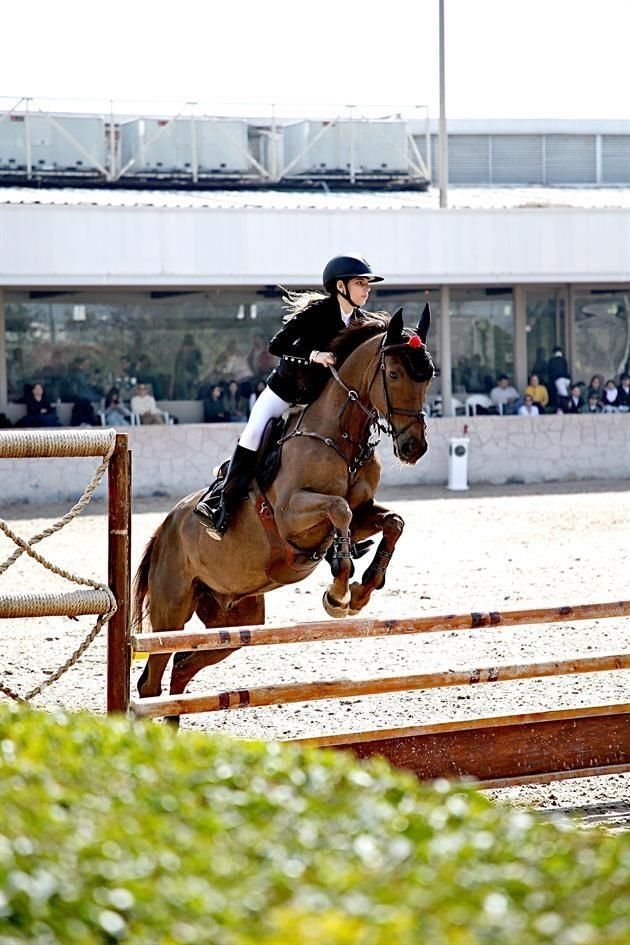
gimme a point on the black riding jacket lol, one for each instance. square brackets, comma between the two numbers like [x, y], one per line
[296, 379]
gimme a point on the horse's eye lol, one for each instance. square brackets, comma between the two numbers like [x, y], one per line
[393, 375]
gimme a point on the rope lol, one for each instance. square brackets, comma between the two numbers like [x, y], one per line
[25, 442]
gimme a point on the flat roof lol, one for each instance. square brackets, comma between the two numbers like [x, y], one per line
[459, 198]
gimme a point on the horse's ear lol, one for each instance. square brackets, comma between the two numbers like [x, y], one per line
[424, 323]
[394, 330]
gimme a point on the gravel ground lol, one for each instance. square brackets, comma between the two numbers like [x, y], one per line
[492, 548]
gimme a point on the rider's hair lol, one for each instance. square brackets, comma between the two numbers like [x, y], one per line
[295, 302]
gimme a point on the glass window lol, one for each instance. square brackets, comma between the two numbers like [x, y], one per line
[482, 338]
[601, 333]
[176, 342]
[545, 328]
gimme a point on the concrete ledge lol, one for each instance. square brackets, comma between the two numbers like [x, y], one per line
[180, 459]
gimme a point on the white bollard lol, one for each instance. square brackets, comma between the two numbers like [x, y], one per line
[458, 463]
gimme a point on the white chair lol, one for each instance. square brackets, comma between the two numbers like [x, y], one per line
[477, 400]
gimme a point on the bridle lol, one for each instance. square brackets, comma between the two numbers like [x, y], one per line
[372, 421]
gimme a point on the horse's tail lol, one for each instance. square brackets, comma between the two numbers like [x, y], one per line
[141, 587]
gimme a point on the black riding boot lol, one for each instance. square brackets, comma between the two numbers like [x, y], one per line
[216, 511]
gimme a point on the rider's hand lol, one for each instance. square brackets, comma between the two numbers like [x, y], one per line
[325, 358]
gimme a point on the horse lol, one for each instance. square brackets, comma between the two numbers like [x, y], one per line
[318, 505]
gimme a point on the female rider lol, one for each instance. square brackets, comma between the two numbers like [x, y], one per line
[302, 344]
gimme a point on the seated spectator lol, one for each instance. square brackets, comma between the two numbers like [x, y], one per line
[235, 404]
[563, 388]
[592, 405]
[144, 406]
[610, 398]
[39, 410]
[503, 395]
[83, 413]
[575, 401]
[595, 386]
[538, 392]
[624, 393]
[528, 408]
[214, 409]
[116, 413]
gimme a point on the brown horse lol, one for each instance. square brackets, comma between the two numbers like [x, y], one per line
[319, 503]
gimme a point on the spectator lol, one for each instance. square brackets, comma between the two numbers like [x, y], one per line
[528, 408]
[503, 395]
[116, 413]
[235, 405]
[610, 398]
[15, 376]
[83, 413]
[538, 392]
[235, 363]
[145, 374]
[39, 410]
[186, 372]
[83, 384]
[557, 367]
[595, 386]
[259, 359]
[214, 409]
[144, 406]
[563, 388]
[592, 405]
[624, 393]
[257, 391]
[575, 401]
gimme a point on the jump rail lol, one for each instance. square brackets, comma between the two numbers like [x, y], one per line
[39, 444]
[495, 751]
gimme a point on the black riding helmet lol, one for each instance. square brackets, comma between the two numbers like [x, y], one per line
[347, 267]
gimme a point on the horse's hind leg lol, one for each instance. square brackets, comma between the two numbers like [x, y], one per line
[250, 610]
[171, 609]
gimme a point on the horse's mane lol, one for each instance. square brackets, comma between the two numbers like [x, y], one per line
[420, 364]
[366, 327]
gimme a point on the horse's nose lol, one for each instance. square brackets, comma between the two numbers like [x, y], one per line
[412, 449]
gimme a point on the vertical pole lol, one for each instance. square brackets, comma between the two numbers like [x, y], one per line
[446, 377]
[119, 572]
[443, 138]
[519, 315]
[27, 132]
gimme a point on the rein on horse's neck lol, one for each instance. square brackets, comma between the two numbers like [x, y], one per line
[351, 435]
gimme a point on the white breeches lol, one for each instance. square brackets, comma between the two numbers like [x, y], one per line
[268, 405]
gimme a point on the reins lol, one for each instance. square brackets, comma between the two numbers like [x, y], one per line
[366, 447]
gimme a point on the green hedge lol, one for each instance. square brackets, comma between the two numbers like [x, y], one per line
[112, 831]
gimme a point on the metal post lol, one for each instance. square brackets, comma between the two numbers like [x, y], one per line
[27, 132]
[275, 164]
[443, 138]
[119, 576]
[193, 144]
[445, 352]
[519, 315]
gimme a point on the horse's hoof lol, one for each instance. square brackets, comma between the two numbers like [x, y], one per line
[335, 609]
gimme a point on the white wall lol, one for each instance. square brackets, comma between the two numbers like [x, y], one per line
[179, 459]
[108, 246]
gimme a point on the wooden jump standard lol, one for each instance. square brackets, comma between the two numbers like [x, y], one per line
[495, 751]
[46, 444]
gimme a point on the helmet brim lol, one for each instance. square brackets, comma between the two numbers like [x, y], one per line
[360, 275]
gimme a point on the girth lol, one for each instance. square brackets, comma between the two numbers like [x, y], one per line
[287, 563]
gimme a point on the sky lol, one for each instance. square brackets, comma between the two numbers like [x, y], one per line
[504, 58]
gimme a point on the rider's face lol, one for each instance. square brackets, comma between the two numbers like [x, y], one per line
[359, 290]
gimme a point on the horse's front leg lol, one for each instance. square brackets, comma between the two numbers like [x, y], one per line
[309, 510]
[369, 519]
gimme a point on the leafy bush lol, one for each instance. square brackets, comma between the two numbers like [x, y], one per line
[113, 831]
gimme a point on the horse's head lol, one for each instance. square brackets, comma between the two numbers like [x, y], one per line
[406, 370]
